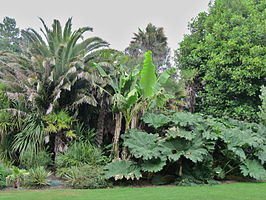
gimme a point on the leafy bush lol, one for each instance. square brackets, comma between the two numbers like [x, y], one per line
[17, 177]
[227, 82]
[80, 153]
[29, 161]
[4, 172]
[85, 134]
[86, 176]
[61, 172]
[186, 141]
[38, 177]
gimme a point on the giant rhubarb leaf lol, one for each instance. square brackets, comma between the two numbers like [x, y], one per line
[143, 145]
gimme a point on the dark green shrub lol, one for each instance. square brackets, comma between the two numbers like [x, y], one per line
[38, 177]
[86, 176]
[85, 134]
[80, 153]
[4, 172]
[30, 161]
[159, 179]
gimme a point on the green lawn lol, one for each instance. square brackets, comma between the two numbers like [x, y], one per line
[236, 191]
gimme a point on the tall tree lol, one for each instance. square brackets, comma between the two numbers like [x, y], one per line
[10, 36]
[151, 39]
[227, 49]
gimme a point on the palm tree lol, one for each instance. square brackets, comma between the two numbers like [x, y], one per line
[55, 73]
[52, 66]
[151, 39]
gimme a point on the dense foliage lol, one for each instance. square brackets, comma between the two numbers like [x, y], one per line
[74, 112]
[227, 47]
[80, 153]
[86, 176]
[202, 148]
[4, 172]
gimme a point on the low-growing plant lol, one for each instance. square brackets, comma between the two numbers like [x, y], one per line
[61, 172]
[38, 177]
[80, 153]
[4, 172]
[86, 176]
[17, 177]
[29, 161]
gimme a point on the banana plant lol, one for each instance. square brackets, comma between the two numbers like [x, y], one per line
[134, 93]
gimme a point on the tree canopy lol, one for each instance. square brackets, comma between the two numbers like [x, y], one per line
[10, 36]
[227, 47]
[151, 39]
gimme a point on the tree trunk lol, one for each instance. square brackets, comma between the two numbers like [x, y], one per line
[16, 183]
[100, 127]
[57, 143]
[118, 125]
[124, 153]
[60, 143]
[134, 122]
[191, 101]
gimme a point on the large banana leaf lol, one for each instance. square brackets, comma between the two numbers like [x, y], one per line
[148, 76]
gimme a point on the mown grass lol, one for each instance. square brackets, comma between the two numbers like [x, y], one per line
[236, 191]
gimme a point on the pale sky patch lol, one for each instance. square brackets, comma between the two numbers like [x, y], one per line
[113, 20]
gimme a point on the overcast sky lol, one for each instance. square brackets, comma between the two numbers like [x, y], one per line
[113, 20]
